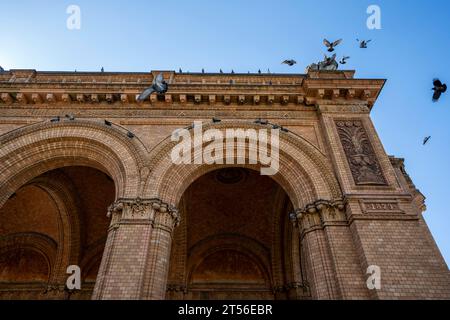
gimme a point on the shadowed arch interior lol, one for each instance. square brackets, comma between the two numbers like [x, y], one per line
[53, 221]
[231, 238]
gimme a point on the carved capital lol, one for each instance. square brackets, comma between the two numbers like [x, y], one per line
[166, 216]
[318, 215]
[153, 211]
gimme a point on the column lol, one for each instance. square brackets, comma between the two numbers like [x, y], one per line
[157, 264]
[320, 269]
[135, 231]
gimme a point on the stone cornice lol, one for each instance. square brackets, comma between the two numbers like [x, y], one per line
[31, 87]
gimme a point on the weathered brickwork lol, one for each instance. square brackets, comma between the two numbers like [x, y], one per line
[86, 178]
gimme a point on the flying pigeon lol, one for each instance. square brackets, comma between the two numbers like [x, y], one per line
[425, 141]
[331, 45]
[438, 89]
[344, 60]
[290, 62]
[159, 86]
[363, 43]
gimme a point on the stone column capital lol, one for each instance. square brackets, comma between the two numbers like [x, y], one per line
[153, 210]
[319, 214]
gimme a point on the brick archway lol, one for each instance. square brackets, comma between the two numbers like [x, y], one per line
[30, 151]
[305, 173]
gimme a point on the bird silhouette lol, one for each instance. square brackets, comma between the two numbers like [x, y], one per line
[426, 139]
[102, 69]
[1, 69]
[331, 45]
[180, 71]
[344, 60]
[159, 86]
[438, 89]
[363, 43]
[289, 62]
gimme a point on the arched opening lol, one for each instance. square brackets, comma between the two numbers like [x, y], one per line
[52, 221]
[235, 239]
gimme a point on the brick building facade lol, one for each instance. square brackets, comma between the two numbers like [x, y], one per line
[79, 190]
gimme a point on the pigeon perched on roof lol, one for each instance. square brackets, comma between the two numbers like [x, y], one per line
[331, 45]
[439, 88]
[1, 69]
[363, 43]
[159, 86]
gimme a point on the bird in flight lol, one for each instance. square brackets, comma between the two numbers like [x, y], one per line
[363, 43]
[159, 86]
[344, 60]
[331, 45]
[290, 62]
[426, 139]
[438, 89]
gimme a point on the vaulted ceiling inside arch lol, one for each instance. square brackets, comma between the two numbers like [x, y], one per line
[233, 201]
[36, 209]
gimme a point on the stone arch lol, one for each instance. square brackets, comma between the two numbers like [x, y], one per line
[39, 243]
[305, 173]
[250, 247]
[30, 151]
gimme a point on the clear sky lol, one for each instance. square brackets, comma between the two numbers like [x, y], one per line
[410, 50]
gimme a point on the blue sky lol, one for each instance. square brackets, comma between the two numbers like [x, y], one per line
[246, 35]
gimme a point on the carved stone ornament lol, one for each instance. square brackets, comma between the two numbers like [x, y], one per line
[361, 157]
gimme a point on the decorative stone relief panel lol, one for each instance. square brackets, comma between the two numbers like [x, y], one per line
[361, 157]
